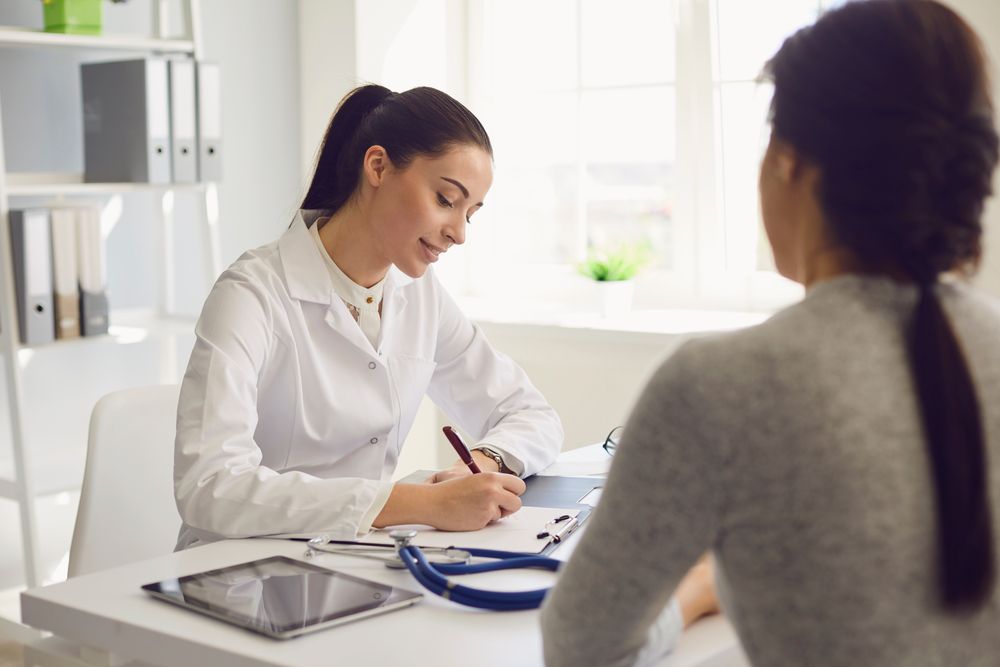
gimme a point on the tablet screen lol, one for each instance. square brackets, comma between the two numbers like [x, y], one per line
[281, 597]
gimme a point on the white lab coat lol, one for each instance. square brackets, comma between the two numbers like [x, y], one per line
[289, 421]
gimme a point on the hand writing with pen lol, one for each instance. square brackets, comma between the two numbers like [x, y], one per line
[463, 497]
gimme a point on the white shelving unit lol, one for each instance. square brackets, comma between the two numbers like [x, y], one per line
[60, 184]
[10, 36]
[18, 484]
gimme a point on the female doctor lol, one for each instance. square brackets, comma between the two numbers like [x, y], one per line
[314, 352]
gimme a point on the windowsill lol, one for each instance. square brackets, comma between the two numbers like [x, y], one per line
[669, 322]
[556, 298]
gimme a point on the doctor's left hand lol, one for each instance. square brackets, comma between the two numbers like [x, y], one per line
[459, 469]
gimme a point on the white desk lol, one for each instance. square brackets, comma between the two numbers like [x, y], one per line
[108, 612]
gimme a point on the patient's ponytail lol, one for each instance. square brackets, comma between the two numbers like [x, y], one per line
[953, 429]
[889, 98]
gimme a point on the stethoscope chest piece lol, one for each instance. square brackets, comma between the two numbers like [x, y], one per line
[402, 537]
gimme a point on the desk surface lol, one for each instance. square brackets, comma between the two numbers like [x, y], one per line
[108, 611]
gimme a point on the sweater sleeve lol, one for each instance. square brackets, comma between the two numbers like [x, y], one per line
[660, 510]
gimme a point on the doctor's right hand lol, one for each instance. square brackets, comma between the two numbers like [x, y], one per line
[468, 502]
[471, 502]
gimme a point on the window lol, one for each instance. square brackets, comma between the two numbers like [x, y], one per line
[744, 36]
[632, 121]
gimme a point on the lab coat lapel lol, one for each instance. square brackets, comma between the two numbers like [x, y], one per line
[308, 279]
[393, 303]
[306, 275]
[342, 322]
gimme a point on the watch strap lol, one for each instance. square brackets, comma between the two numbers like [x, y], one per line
[497, 457]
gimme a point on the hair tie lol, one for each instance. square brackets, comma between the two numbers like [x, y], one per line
[922, 275]
[388, 95]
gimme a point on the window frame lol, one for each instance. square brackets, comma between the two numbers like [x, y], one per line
[702, 272]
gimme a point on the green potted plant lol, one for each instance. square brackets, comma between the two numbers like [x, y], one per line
[613, 269]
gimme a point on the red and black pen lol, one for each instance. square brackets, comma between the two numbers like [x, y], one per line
[461, 449]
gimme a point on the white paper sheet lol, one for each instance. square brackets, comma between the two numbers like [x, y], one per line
[518, 532]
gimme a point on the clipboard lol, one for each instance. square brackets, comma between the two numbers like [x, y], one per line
[522, 532]
[551, 492]
[564, 492]
[542, 490]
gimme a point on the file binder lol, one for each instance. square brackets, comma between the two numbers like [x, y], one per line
[32, 250]
[184, 158]
[93, 295]
[126, 121]
[64, 273]
[209, 122]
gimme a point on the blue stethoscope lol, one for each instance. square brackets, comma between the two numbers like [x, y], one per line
[451, 561]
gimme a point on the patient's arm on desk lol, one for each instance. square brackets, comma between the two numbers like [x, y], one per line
[696, 592]
[693, 599]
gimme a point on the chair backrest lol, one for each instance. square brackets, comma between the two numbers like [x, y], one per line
[127, 511]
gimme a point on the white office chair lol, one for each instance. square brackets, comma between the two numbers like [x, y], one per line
[127, 511]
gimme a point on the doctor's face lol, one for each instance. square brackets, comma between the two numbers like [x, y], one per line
[420, 211]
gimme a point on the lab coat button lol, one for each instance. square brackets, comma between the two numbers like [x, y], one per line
[374, 441]
[371, 365]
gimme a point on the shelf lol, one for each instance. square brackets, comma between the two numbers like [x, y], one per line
[67, 378]
[8, 489]
[30, 184]
[63, 473]
[125, 328]
[10, 36]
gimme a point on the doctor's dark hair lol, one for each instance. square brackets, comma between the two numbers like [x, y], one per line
[889, 99]
[418, 122]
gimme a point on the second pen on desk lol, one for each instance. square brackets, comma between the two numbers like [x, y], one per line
[461, 449]
[558, 531]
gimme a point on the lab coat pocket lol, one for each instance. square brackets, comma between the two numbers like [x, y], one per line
[409, 376]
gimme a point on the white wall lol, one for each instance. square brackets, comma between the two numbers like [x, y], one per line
[398, 44]
[327, 69]
[984, 17]
[256, 44]
[592, 378]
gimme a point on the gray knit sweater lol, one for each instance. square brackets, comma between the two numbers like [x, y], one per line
[794, 451]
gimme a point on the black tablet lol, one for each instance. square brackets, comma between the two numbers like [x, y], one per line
[281, 597]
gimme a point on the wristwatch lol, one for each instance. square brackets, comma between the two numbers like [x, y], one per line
[495, 455]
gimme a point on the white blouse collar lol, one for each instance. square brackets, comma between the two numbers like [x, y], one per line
[362, 298]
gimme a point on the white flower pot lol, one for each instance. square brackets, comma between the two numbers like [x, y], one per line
[616, 297]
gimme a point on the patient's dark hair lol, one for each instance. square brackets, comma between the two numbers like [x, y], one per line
[889, 98]
[418, 122]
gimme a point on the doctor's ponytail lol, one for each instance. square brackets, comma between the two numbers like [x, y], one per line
[418, 122]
